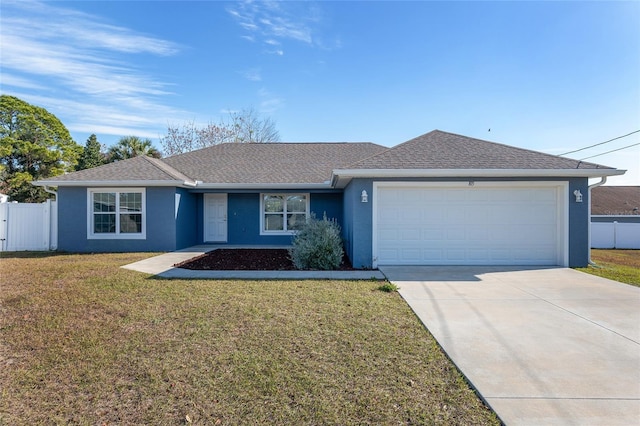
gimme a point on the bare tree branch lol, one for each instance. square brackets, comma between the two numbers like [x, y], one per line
[245, 126]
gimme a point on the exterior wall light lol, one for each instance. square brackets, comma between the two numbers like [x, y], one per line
[578, 195]
[364, 197]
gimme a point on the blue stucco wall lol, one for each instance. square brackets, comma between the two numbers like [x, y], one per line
[185, 214]
[579, 224]
[72, 223]
[175, 220]
[358, 218]
[243, 216]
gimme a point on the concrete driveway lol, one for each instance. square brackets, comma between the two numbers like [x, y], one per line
[543, 346]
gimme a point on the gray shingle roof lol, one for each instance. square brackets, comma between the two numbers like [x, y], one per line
[265, 163]
[442, 150]
[314, 163]
[139, 168]
[615, 200]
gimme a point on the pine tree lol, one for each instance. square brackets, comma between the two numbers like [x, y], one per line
[92, 155]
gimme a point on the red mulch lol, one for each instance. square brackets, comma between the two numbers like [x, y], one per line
[247, 259]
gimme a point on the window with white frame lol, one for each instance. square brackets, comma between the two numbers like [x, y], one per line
[116, 213]
[283, 213]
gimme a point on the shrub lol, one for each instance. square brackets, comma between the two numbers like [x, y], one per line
[388, 288]
[317, 245]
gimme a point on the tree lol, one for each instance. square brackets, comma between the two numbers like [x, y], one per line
[245, 126]
[92, 155]
[248, 127]
[189, 137]
[132, 146]
[34, 145]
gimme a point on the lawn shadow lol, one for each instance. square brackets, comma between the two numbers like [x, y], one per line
[30, 254]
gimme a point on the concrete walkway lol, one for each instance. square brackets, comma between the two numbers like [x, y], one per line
[543, 346]
[162, 267]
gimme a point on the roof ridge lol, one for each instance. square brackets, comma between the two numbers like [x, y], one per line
[161, 165]
[399, 145]
[371, 156]
[597, 166]
[217, 146]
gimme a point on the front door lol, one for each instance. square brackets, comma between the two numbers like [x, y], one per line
[215, 218]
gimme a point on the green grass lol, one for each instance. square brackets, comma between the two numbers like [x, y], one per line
[85, 342]
[618, 265]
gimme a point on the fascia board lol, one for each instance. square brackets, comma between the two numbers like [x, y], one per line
[261, 186]
[115, 183]
[402, 173]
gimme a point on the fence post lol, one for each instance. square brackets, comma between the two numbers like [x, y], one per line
[46, 213]
[53, 223]
[4, 225]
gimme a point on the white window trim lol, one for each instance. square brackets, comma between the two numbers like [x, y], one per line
[281, 194]
[117, 236]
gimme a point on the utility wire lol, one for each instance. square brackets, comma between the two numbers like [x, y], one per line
[613, 150]
[601, 143]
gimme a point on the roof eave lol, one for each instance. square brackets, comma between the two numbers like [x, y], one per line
[115, 183]
[262, 186]
[344, 175]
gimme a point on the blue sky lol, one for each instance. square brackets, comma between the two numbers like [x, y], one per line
[549, 76]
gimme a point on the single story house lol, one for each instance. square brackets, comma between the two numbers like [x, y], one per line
[438, 199]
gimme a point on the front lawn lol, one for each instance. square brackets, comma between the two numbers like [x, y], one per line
[85, 342]
[618, 265]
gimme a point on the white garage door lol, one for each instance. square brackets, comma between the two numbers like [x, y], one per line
[484, 224]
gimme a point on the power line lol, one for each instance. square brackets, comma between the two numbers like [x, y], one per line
[613, 150]
[601, 143]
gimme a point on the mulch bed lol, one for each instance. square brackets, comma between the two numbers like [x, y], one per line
[247, 260]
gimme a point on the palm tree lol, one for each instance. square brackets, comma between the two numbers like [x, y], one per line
[132, 146]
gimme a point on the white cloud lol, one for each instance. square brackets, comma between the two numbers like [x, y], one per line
[147, 119]
[269, 102]
[15, 81]
[252, 74]
[275, 21]
[49, 50]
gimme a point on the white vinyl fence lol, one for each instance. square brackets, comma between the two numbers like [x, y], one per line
[609, 235]
[27, 226]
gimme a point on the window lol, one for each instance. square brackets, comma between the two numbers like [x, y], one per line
[283, 213]
[116, 213]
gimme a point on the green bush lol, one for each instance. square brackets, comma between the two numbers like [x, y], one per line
[388, 288]
[317, 245]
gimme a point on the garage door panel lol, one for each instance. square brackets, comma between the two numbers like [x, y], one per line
[410, 235]
[498, 226]
[477, 196]
[454, 214]
[477, 233]
[480, 215]
[431, 234]
[432, 215]
[410, 215]
[389, 215]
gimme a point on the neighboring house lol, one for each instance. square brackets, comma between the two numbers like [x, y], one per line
[438, 199]
[4, 198]
[615, 203]
[615, 217]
